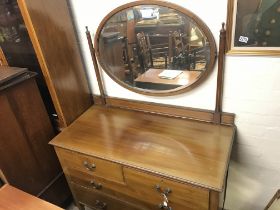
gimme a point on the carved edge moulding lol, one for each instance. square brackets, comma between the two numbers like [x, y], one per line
[217, 116]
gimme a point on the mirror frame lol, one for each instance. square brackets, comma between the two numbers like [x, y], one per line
[202, 26]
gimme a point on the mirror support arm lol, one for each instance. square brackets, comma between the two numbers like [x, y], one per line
[96, 68]
[220, 77]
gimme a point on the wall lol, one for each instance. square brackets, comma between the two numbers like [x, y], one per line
[251, 91]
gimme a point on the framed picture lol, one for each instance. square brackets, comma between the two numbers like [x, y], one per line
[253, 27]
[274, 203]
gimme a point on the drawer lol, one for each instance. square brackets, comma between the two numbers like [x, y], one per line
[89, 165]
[101, 201]
[149, 188]
[96, 184]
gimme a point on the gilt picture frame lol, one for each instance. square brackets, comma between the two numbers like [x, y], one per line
[253, 27]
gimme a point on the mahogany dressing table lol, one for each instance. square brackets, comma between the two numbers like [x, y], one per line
[124, 154]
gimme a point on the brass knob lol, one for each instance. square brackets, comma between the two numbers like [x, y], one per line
[100, 205]
[95, 185]
[88, 166]
[165, 191]
[161, 206]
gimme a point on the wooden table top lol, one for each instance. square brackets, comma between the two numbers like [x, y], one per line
[185, 78]
[12, 198]
[189, 151]
[7, 73]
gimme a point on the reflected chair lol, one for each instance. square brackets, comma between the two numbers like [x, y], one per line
[144, 52]
[160, 52]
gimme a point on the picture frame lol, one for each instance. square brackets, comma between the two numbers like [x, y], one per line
[253, 27]
[274, 203]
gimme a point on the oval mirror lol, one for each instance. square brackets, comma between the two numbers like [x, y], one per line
[155, 48]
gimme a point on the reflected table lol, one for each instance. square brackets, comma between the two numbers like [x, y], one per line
[151, 80]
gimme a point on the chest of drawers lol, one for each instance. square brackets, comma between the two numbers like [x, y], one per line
[120, 159]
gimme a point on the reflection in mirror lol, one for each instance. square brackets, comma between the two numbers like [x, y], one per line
[153, 47]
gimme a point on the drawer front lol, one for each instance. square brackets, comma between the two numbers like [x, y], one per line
[90, 165]
[95, 183]
[100, 201]
[118, 190]
[149, 188]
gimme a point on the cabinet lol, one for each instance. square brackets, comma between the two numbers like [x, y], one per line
[26, 159]
[125, 159]
[57, 60]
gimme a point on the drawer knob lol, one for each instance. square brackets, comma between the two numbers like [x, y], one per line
[95, 185]
[100, 205]
[165, 191]
[162, 206]
[88, 166]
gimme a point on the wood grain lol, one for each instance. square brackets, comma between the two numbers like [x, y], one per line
[188, 151]
[53, 36]
[92, 198]
[169, 110]
[7, 73]
[214, 200]
[3, 60]
[26, 159]
[12, 198]
[220, 76]
[104, 169]
[182, 196]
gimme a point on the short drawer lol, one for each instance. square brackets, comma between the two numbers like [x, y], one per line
[149, 188]
[100, 201]
[95, 183]
[90, 165]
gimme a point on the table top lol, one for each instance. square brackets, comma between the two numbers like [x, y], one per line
[12, 198]
[185, 78]
[189, 151]
[7, 73]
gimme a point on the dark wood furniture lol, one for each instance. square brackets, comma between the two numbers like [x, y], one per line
[12, 198]
[17, 50]
[150, 79]
[26, 159]
[52, 33]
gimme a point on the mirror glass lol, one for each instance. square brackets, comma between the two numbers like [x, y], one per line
[155, 49]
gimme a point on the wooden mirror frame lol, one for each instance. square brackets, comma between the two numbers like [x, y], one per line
[202, 26]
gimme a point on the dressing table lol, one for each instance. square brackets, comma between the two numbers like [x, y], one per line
[125, 154]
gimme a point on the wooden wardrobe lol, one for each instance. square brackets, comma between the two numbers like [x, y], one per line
[51, 30]
[26, 160]
[53, 36]
[52, 33]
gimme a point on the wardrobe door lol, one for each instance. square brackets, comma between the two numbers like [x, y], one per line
[52, 33]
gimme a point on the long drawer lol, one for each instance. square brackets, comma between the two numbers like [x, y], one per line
[96, 184]
[150, 188]
[100, 201]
